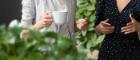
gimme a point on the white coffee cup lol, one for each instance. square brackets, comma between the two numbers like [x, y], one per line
[59, 17]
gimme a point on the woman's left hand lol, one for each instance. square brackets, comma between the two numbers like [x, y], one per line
[131, 26]
[82, 24]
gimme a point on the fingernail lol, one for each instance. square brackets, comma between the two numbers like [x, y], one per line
[122, 31]
[122, 28]
[107, 19]
[126, 33]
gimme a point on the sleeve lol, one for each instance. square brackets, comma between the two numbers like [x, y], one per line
[99, 12]
[28, 12]
[71, 18]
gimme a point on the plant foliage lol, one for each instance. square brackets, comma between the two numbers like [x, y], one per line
[38, 45]
[88, 38]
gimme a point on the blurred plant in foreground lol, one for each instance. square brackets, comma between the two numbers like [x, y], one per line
[38, 45]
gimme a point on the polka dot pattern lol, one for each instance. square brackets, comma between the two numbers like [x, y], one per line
[117, 45]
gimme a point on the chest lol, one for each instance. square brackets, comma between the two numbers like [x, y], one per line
[122, 4]
[118, 7]
[118, 13]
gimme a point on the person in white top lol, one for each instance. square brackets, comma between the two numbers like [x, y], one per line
[38, 14]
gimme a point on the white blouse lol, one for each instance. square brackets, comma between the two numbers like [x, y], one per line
[32, 11]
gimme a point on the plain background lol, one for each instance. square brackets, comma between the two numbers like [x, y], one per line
[9, 10]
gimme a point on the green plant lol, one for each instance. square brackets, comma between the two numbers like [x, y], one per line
[38, 45]
[88, 38]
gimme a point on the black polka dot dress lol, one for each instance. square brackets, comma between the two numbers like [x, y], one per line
[117, 45]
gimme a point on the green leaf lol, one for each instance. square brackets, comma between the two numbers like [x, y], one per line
[100, 39]
[3, 55]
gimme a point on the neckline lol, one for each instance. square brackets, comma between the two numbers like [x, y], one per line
[120, 12]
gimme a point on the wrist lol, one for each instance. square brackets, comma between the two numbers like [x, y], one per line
[35, 27]
[97, 30]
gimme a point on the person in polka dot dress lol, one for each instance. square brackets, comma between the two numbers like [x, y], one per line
[114, 19]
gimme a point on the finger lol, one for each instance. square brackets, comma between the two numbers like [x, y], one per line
[111, 31]
[130, 23]
[47, 24]
[44, 23]
[105, 24]
[81, 21]
[84, 27]
[107, 31]
[48, 20]
[84, 23]
[132, 19]
[127, 27]
[48, 12]
[108, 28]
[106, 20]
[48, 16]
[124, 29]
[43, 26]
[79, 26]
[24, 33]
[128, 32]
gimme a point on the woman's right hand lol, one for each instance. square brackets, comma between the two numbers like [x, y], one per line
[104, 28]
[45, 22]
[24, 33]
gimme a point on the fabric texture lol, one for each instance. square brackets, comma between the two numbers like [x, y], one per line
[117, 45]
[32, 11]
